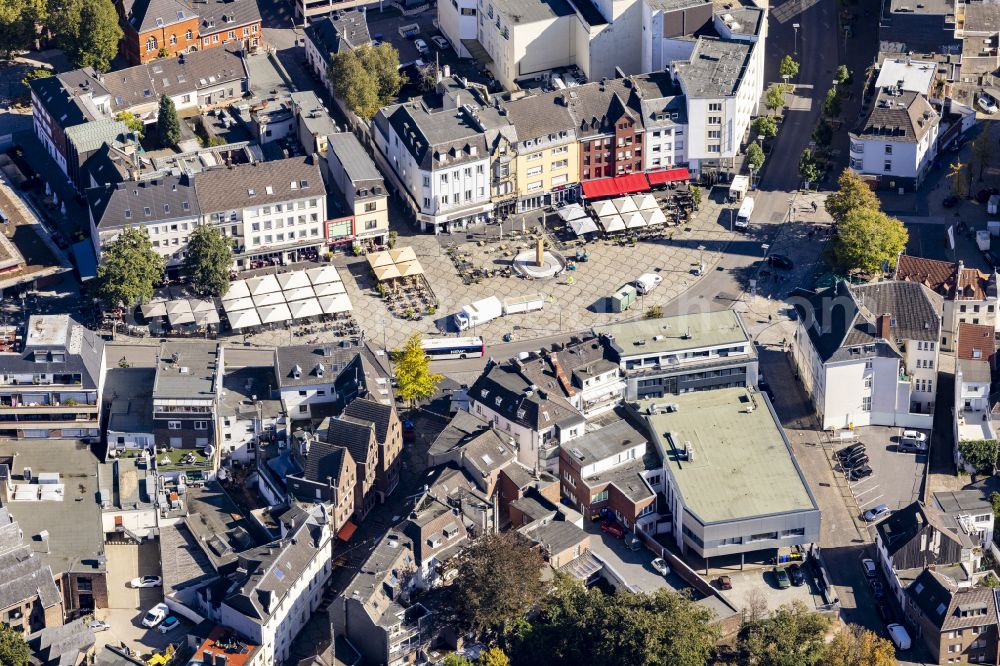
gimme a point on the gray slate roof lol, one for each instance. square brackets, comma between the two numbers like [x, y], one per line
[201, 361]
[898, 116]
[62, 645]
[82, 350]
[354, 435]
[23, 575]
[144, 15]
[843, 318]
[326, 461]
[715, 67]
[537, 409]
[357, 163]
[230, 188]
[377, 413]
[224, 15]
[151, 201]
[601, 444]
[439, 138]
[332, 35]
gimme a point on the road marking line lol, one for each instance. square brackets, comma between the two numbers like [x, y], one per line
[874, 499]
[866, 491]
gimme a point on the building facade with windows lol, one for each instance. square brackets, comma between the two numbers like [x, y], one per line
[186, 394]
[896, 143]
[868, 354]
[361, 186]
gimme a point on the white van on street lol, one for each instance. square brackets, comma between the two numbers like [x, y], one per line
[744, 214]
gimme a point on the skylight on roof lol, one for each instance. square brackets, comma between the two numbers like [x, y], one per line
[180, 15]
[159, 22]
[269, 189]
[294, 185]
[251, 192]
[279, 574]
[157, 69]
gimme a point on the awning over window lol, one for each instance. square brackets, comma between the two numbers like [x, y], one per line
[668, 176]
[612, 187]
[347, 531]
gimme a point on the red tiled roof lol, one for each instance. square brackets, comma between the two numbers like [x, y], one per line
[934, 274]
[971, 285]
[975, 337]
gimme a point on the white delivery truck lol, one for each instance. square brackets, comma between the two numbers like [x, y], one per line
[647, 282]
[519, 304]
[738, 188]
[743, 216]
[478, 313]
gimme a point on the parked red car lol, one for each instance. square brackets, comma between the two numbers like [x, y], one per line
[614, 529]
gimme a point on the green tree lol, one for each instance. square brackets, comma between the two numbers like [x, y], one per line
[499, 580]
[653, 312]
[857, 646]
[91, 32]
[979, 454]
[822, 134]
[808, 168]
[853, 193]
[774, 99]
[788, 69]
[208, 260]
[831, 105]
[989, 580]
[755, 157]
[132, 122]
[129, 269]
[867, 239]
[696, 196]
[13, 650]
[579, 626]
[19, 23]
[168, 125]
[995, 503]
[842, 75]
[493, 657]
[791, 636]
[765, 127]
[413, 372]
[366, 78]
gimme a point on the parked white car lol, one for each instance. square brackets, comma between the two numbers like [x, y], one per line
[146, 581]
[987, 104]
[440, 42]
[421, 46]
[661, 566]
[155, 615]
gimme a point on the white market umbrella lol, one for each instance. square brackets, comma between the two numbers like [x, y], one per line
[237, 305]
[202, 305]
[633, 220]
[653, 216]
[612, 223]
[644, 201]
[323, 275]
[244, 319]
[272, 314]
[330, 289]
[572, 212]
[264, 284]
[624, 205]
[307, 308]
[293, 280]
[236, 290]
[335, 304]
[154, 309]
[299, 293]
[604, 207]
[583, 225]
[265, 300]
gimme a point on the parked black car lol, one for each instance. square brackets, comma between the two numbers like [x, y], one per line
[854, 461]
[991, 259]
[851, 450]
[858, 473]
[795, 573]
[950, 202]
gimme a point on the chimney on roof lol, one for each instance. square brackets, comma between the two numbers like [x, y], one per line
[883, 326]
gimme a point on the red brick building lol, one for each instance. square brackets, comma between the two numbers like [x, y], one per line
[609, 130]
[180, 26]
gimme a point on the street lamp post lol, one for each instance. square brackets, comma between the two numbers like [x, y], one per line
[795, 26]
[701, 259]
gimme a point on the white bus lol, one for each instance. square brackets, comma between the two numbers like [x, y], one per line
[442, 348]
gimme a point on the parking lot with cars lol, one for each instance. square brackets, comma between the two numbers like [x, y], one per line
[882, 468]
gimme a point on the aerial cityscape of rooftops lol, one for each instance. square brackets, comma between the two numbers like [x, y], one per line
[499, 332]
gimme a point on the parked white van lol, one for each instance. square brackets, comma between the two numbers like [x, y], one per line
[743, 216]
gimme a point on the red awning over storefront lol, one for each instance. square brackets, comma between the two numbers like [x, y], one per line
[617, 186]
[347, 531]
[668, 176]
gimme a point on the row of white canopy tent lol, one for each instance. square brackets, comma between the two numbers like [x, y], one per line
[182, 311]
[633, 212]
[578, 219]
[270, 299]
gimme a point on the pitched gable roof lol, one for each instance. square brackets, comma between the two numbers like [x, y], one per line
[354, 435]
[326, 461]
[976, 342]
[936, 275]
[363, 409]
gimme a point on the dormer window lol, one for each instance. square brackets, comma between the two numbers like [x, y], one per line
[498, 401]
[296, 371]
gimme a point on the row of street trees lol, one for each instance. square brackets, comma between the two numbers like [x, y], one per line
[562, 623]
[87, 30]
[131, 268]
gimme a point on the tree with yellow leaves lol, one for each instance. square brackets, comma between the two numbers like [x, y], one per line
[856, 646]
